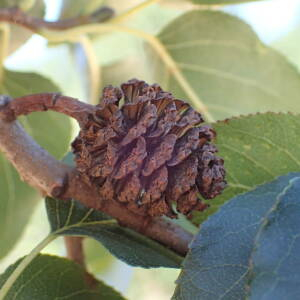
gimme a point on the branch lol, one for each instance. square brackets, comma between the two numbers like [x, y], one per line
[42, 102]
[38, 168]
[15, 15]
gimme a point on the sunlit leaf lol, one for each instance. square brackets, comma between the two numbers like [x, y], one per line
[225, 64]
[256, 149]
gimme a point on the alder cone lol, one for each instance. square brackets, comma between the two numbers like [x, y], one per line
[150, 152]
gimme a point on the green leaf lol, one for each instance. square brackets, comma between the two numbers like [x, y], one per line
[24, 5]
[286, 44]
[256, 149]
[72, 218]
[50, 277]
[222, 60]
[249, 249]
[97, 259]
[10, 3]
[52, 131]
[17, 201]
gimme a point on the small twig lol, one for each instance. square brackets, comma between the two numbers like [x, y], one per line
[75, 252]
[48, 101]
[74, 248]
[38, 168]
[15, 15]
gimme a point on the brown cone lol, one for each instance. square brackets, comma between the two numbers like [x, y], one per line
[150, 152]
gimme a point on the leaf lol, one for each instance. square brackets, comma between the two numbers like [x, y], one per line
[150, 19]
[51, 277]
[222, 60]
[249, 249]
[256, 149]
[98, 260]
[286, 45]
[52, 131]
[72, 218]
[9, 3]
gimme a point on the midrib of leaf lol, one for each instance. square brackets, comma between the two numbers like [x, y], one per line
[261, 223]
[23, 265]
[249, 158]
[227, 75]
[265, 220]
[241, 186]
[29, 258]
[175, 70]
[208, 42]
[20, 289]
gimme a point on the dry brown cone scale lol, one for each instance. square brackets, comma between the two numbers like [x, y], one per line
[145, 149]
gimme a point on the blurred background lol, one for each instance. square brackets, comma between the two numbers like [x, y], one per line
[277, 23]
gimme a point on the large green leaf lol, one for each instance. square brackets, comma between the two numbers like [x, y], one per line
[72, 218]
[229, 69]
[52, 131]
[50, 277]
[249, 249]
[256, 149]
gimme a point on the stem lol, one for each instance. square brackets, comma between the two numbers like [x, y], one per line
[132, 11]
[23, 264]
[70, 35]
[4, 42]
[93, 68]
[74, 248]
[48, 101]
[16, 16]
